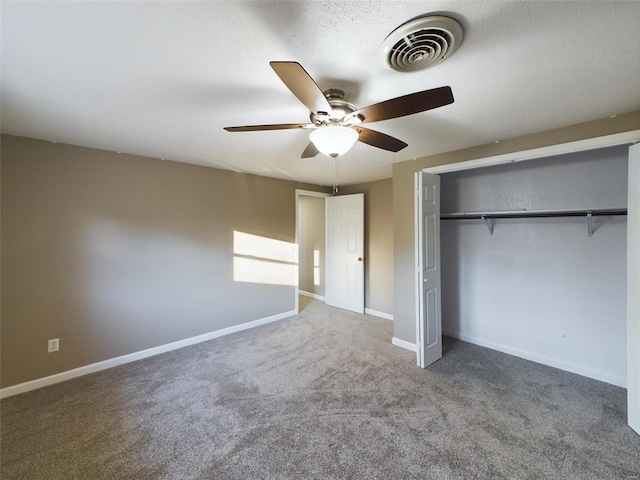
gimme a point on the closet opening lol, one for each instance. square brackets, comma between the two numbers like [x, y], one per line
[551, 287]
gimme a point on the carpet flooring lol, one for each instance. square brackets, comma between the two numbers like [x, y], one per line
[323, 395]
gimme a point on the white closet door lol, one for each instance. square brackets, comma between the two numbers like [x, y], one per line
[633, 287]
[429, 323]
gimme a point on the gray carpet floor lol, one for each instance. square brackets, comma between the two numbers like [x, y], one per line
[323, 395]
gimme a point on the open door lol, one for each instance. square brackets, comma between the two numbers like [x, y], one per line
[428, 313]
[344, 252]
[633, 286]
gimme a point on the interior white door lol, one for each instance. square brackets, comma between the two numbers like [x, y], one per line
[633, 287]
[428, 285]
[344, 252]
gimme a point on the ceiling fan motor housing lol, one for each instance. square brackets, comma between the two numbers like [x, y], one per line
[340, 113]
[421, 43]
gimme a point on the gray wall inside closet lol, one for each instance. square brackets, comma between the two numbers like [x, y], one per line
[540, 288]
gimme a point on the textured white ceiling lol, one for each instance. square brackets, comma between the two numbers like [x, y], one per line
[162, 79]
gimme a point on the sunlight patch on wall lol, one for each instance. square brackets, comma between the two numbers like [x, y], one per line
[316, 267]
[264, 260]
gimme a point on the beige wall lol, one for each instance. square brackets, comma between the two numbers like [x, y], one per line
[115, 254]
[403, 199]
[310, 239]
[378, 237]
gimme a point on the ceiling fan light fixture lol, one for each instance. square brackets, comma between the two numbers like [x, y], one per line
[333, 140]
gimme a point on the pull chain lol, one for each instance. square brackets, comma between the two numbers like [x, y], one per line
[335, 174]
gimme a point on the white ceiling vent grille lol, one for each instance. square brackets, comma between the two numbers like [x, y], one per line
[421, 43]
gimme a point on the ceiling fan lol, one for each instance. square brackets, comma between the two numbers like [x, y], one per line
[336, 123]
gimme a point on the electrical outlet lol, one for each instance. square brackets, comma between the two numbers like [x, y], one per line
[53, 345]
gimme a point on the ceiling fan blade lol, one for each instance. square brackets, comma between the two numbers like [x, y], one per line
[406, 105]
[380, 140]
[277, 126]
[302, 86]
[310, 151]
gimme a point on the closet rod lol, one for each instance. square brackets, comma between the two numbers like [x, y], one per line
[533, 213]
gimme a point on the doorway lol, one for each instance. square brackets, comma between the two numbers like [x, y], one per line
[330, 239]
[310, 238]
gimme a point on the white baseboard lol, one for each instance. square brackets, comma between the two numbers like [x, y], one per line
[375, 313]
[312, 295]
[603, 377]
[368, 311]
[132, 357]
[403, 344]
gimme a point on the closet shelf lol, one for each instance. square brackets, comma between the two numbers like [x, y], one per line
[489, 217]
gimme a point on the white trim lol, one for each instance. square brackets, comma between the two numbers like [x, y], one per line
[403, 344]
[312, 295]
[132, 357]
[633, 285]
[375, 313]
[569, 367]
[368, 311]
[311, 193]
[524, 155]
[417, 230]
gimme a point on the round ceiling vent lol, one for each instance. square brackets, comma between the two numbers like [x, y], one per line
[421, 43]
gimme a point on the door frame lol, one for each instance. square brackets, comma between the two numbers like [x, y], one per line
[302, 193]
[623, 138]
[633, 285]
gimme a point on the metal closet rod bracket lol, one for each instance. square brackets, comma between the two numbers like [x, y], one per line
[489, 217]
[490, 223]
